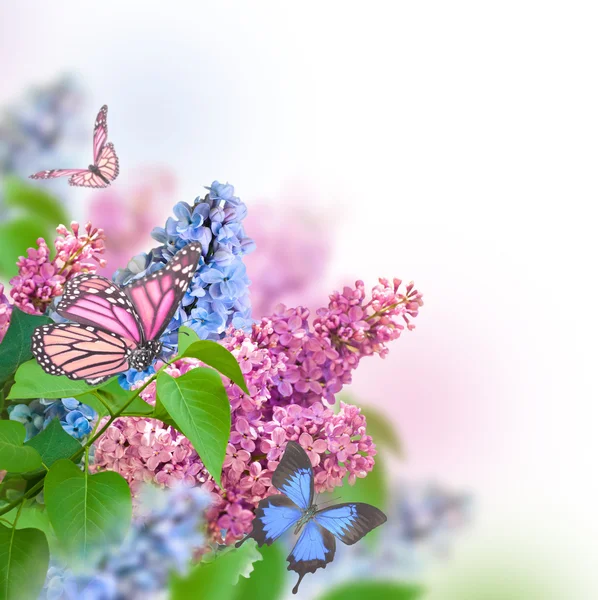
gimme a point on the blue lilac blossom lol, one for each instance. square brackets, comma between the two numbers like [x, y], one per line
[162, 539]
[76, 419]
[219, 292]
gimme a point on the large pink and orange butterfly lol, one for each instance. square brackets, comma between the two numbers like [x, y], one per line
[114, 328]
[104, 169]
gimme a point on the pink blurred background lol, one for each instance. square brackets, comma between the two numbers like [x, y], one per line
[449, 144]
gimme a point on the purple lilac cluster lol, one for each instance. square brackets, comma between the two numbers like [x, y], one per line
[5, 311]
[40, 279]
[292, 371]
[218, 296]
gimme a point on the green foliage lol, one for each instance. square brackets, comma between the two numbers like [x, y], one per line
[34, 200]
[54, 443]
[111, 398]
[15, 348]
[186, 337]
[14, 456]
[34, 515]
[380, 590]
[24, 559]
[216, 356]
[31, 381]
[199, 405]
[217, 579]
[33, 214]
[16, 236]
[382, 431]
[268, 578]
[88, 512]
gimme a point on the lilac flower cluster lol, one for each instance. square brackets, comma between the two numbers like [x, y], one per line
[5, 311]
[292, 371]
[41, 279]
[166, 531]
[218, 295]
[77, 419]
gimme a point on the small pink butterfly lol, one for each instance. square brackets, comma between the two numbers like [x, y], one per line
[105, 162]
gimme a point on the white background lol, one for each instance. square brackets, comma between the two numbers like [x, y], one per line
[457, 144]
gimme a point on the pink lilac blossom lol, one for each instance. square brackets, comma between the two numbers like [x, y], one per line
[41, 279]
[292, 372]
[5, 310]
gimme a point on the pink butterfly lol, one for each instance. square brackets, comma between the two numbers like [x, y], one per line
[104, 169]
[114, 328]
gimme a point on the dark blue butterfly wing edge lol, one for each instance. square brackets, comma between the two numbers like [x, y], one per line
[365, 517]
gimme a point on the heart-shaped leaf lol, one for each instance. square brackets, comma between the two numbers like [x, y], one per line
[54, 443]
[24, 559]
[31, 381]
[216, 356]
[14, 456]
[199, 405]
[15, 348]
[88, 512]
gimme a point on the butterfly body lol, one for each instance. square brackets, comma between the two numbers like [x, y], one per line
[105, 167]
[113, 328]
[318, 528]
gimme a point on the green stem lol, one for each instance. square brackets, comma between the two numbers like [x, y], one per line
[84, 449]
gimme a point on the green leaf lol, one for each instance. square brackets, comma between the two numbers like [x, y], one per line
[31, 381]
[381, 429]
[34, 200]
[380, 590]
[13, 455]
[15, 349]
[88, 512]
[199, 405]
[24, 559]
[216, 579]
[16, 236]
[268, 578]
[111, 396]
[54, 443]
[186, 337]
[34, 515]
[216, 356]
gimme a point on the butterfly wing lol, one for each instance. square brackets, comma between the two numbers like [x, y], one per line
[294, 476]
[96, 301]
[349, 522]
[53, 173]
[157, 296]
[314, 549]
[100, 133]
[107, 163]
[273, 516]
[88, 179]
[80, 352]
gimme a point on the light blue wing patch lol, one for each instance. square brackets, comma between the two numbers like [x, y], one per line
[350, 522]
[298, 488]
[273, 516]
[314, 549]
[276, 518]
[294, 476]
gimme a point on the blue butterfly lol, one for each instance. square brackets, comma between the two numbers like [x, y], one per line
[316, 545]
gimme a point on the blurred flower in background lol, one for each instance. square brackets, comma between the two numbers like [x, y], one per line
[166, 531]
[294, 244]
[44, 129]
[128, 212]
